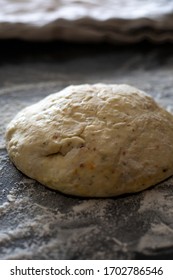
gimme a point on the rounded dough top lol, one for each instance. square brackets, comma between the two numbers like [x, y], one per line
[93, 140]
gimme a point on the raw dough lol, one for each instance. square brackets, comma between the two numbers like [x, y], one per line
[93, 140]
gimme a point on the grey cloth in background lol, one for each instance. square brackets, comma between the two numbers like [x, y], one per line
[87, 20]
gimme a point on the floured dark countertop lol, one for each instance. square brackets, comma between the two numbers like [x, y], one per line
[38, 223]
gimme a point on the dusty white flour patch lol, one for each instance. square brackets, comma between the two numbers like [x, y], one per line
[4, 207]
[89, 206]
[41, 222]
[11, 198]
[156, 199]
[150, 241]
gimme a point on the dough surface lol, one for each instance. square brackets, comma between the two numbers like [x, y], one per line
[93, 140]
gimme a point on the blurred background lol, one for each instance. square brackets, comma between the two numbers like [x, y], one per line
[71, 37]
[87, 20]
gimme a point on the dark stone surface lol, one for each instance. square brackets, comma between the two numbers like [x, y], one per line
[38, 223]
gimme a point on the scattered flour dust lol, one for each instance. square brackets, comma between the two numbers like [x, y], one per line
[158, 203]
[36, 221]
[156, 199]
[37, 226]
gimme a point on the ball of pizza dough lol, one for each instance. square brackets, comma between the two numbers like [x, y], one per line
[93, 140]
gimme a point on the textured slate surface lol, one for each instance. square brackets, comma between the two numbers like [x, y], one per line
[37, 223]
